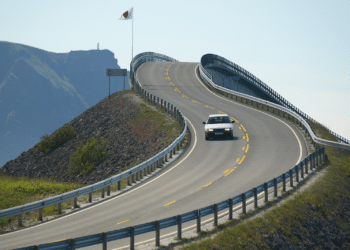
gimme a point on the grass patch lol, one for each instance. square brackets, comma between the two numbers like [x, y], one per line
[58, 138]
[88, 156]
[16, 191]
[302, 222]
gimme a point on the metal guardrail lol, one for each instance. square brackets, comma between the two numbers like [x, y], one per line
[220, 62]
[294, 114]
[308, 163]
[151, 163]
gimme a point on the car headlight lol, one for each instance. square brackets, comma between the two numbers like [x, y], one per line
[210, 130]
[227, 129]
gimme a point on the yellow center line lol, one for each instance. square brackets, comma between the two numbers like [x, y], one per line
[233, 119]
[247, 137]
[169, 203]
[208, 107]
[226, 171]
[185, 96]
[230, 171]
[241, 160]
[122, 222]
[246, 151]
[172, 84]
[243, 137]
[243, 128]
[177, 90]
[196, 102]
[237, 160]
[220, 112]
[205, 185]
[243, 148]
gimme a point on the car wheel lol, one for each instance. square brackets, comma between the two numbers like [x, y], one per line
[206, 138]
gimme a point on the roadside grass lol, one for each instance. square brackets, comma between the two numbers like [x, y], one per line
[294, 221]
[15, 191]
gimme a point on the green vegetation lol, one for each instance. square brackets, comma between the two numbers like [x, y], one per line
[58, 138]
[88, 156]
[324, 202]
[22, 190]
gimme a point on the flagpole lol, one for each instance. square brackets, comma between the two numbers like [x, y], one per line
[132, 38]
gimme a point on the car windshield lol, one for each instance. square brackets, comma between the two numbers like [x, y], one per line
[218, 119]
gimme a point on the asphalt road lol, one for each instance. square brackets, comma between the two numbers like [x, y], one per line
[209, 172]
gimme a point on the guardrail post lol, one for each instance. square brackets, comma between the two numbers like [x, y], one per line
[244, 207]
[324, 154]
[75, 203]
[129, 180]
[119, 186]
[133, 178]
[257, 104]
[178, 146]
[198, 220]
[230, 208]
[108, 190]
[104, 241]
[306, 165]
[302, 169]
[174, 109]
[297, 173]
[316, 158]
[103, 193]
[278, 111]
[284, 182]
[266, 192]
[157, 234]
[255, 198]
[246, 101]
[36, 247]
[59, 208]
[267, 108]
[275, 186]
[20, 220]
[215, 215]
[72, 244]
[179, 227]
[262, 106]
[132, 238]
[40, 214]
[171, 154]
[291, 177]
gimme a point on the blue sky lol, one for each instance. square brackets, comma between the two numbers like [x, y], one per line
[299, 48]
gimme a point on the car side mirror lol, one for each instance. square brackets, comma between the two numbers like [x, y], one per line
[204, 123]
[233, 121]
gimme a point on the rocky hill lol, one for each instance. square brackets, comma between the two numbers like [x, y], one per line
[111, 119]
[40, 91]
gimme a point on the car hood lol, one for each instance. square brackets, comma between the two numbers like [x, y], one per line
[218, 125]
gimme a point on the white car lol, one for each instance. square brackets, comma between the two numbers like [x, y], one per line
[218, 125]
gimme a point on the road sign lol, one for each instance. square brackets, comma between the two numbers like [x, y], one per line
[116, 72]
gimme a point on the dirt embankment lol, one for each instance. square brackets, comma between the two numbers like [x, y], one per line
[109, 119]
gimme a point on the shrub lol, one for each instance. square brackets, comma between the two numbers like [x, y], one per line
[58, 138]
[88, 156]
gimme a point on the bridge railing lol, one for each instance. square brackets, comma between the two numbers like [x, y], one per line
[292, 114]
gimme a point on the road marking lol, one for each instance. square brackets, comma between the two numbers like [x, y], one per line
[196, 102]
[167, 73]
[246, 151]
[243, 148]
[208, 107]
[169, 203]
[233, 119]
[237, 160]
[185, 96]
[205, 185]
[243, 137]
[243, 128]
[172, 84]
[247, 137]
[220, 112]
[177, 90]
[226, 171]
[123, 221]
[57, 241]
[241, 160]
[231, 171]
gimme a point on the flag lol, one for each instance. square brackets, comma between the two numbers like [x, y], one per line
[126, 15]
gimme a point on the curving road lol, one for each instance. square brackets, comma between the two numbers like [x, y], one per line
[209, 172]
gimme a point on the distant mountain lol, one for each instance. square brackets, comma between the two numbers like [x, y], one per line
[40, 91]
